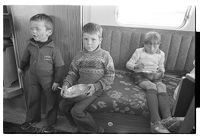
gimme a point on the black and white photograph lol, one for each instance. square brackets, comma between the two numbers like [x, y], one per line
[115, 67]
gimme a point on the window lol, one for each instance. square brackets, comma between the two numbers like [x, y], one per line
[153, 15]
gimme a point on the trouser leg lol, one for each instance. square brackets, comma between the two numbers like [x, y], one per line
[152, 99]
[51, 101]
[164, 105]
[65, 107]
[163, 100]
[33, 113]
[152, 102]
[82, 117]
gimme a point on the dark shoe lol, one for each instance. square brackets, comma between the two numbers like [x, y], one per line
[48, 130]
[172, 123]
[100, 130]
[74, 130]
[157, 127]
[26, 125]
[33, 130]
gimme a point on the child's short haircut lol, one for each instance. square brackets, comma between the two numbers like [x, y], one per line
[152, 36]
[43, 17]
[93, 28]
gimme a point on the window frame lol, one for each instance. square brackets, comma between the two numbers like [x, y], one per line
[186, 18]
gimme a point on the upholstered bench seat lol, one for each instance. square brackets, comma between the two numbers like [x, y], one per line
[126, 97]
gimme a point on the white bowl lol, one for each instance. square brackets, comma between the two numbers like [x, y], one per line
[76, 90]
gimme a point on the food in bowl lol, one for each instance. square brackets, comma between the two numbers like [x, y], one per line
[76, 90]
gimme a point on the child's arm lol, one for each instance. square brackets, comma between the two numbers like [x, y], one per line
[73, 74]
[131, 64]
[161, 67]
[58, 65]
[108, 77]
[59, 72]
[25, 60]
[59, 68]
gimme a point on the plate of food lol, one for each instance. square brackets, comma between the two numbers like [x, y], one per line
[144, 71]
[76, 90]
[147, 71]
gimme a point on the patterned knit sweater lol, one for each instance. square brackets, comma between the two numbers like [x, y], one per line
[94, 67]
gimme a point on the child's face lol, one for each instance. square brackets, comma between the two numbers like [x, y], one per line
[91, 41]
[39, 32]
[152, 47]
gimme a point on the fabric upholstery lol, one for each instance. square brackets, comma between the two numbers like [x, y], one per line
[126, 97]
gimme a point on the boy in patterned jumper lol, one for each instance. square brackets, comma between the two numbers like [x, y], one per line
[148, 66]
[93, 66]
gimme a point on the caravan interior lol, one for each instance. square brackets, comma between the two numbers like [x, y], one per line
[123, 108]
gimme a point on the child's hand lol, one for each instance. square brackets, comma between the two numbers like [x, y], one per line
[150, 76]
[157, 75]
[139, 66]
[55, 86]
[91, 90]
[64, 87]
[20, 71]
[159, 70]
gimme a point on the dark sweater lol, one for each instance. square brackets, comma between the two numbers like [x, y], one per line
[30, 54]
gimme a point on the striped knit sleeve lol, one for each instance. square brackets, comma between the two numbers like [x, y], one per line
[72, 75]
[109, 75]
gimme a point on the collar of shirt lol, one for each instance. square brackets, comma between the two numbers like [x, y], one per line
[92, 52]
[40, 44]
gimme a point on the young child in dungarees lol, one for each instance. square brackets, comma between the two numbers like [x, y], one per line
[92, 66]
[45, 72]
[148, 66]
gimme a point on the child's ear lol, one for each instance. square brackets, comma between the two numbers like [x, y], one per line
[49, 32]
[101, 39]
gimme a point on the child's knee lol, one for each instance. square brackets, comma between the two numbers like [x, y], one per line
[161, 87]
[162, 91]
[77, 112]
[151, 87]
[147, 85]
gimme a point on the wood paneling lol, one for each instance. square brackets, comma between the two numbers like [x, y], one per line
[191, 55]
[173, 52]
[115, 46]
[124, 48]
[107, 40]
[183, 52]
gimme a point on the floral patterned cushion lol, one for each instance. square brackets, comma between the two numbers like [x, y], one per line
[126, 97]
